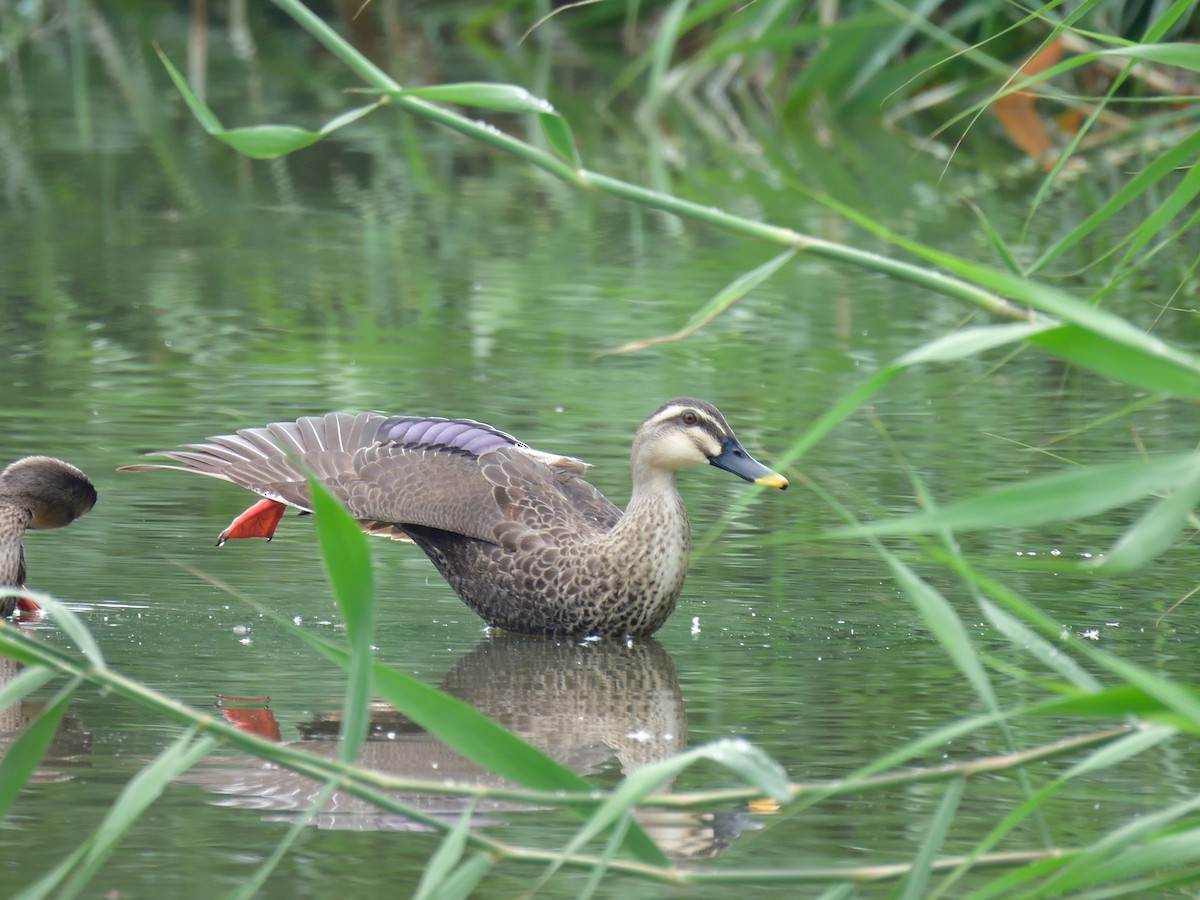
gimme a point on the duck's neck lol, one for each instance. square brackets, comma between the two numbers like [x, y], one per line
[655, 519]
[12, 559]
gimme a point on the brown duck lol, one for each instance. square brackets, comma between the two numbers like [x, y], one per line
[520, 536]
[35, 492]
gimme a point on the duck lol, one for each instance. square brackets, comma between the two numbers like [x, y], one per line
[35, 492]
[520, 536]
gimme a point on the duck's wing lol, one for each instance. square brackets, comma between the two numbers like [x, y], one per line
[452, 474]
[272, 461]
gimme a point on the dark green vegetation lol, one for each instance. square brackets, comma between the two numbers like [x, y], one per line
[1089, 280]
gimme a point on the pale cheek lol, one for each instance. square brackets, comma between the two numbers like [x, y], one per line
[679, 453]
[683, 457]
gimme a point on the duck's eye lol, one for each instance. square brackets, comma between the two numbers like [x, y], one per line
[689, 418]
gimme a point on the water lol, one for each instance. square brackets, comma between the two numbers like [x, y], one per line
[157, 290]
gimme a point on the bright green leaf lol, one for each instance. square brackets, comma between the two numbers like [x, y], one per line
[443, 867]
[1183, 55]
[1154, 532]
[480, 94]
[142, 790]
[1066, 495]
[945, 625]
[348, 564]
[24, 754]
[748, 762]
[1048, 654]
[257, 141]
[267, 141]
[558, 135]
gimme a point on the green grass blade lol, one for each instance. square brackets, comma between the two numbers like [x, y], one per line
[916, 882]
[1118, 751]
[462, 882]
[21, 685]
[1143, 181]
[956, 345]
[741, 757]
[1100, 341]
[720, 302]
[484, 742]
[142, 790]
[348, 565]
[1025, 638]
[483, 95]
[474, 735]
[840, 892]
[1179, 698]
[663, 49]
[999, 245]
[944, 623]
[1066, 495]
[557, 132]
[24, 754]
[250, 888]
[1183, 55]
[205, 116]
[443, 862]
[1181, 199]
[267, 141]
[1154, 368]
[1107, 855]
[256, 141]
[1170, 850]
[72, 626]
[968, 342]
[1154, 532]
[1123, 749]
[1110, 703]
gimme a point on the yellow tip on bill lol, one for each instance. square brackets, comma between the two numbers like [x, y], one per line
[773, 479]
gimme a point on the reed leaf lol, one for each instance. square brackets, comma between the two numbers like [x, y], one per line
[70, 878]
[482, 95]
[1072, 494]
[741, 757]
[444, 878]
[945, 625]
[257, 141]
[348, 566]
[1049, 655]
[24, 754]
[915, 884]
[72, 626]
[15, 689]
[720, 302]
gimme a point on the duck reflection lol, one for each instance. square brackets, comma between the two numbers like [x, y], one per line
[597, 707]
[71, 746]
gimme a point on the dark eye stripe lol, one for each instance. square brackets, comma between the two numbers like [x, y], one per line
[703, 422]
[674, 414]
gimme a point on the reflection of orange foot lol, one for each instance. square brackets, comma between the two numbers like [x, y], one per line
[260, 520]
[257, 719]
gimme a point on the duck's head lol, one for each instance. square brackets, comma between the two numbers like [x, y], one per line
[688, 432]
[55, 492]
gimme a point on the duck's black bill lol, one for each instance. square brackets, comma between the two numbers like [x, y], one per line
[734, 458]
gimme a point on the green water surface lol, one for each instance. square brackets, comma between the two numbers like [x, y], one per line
[156, 289]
